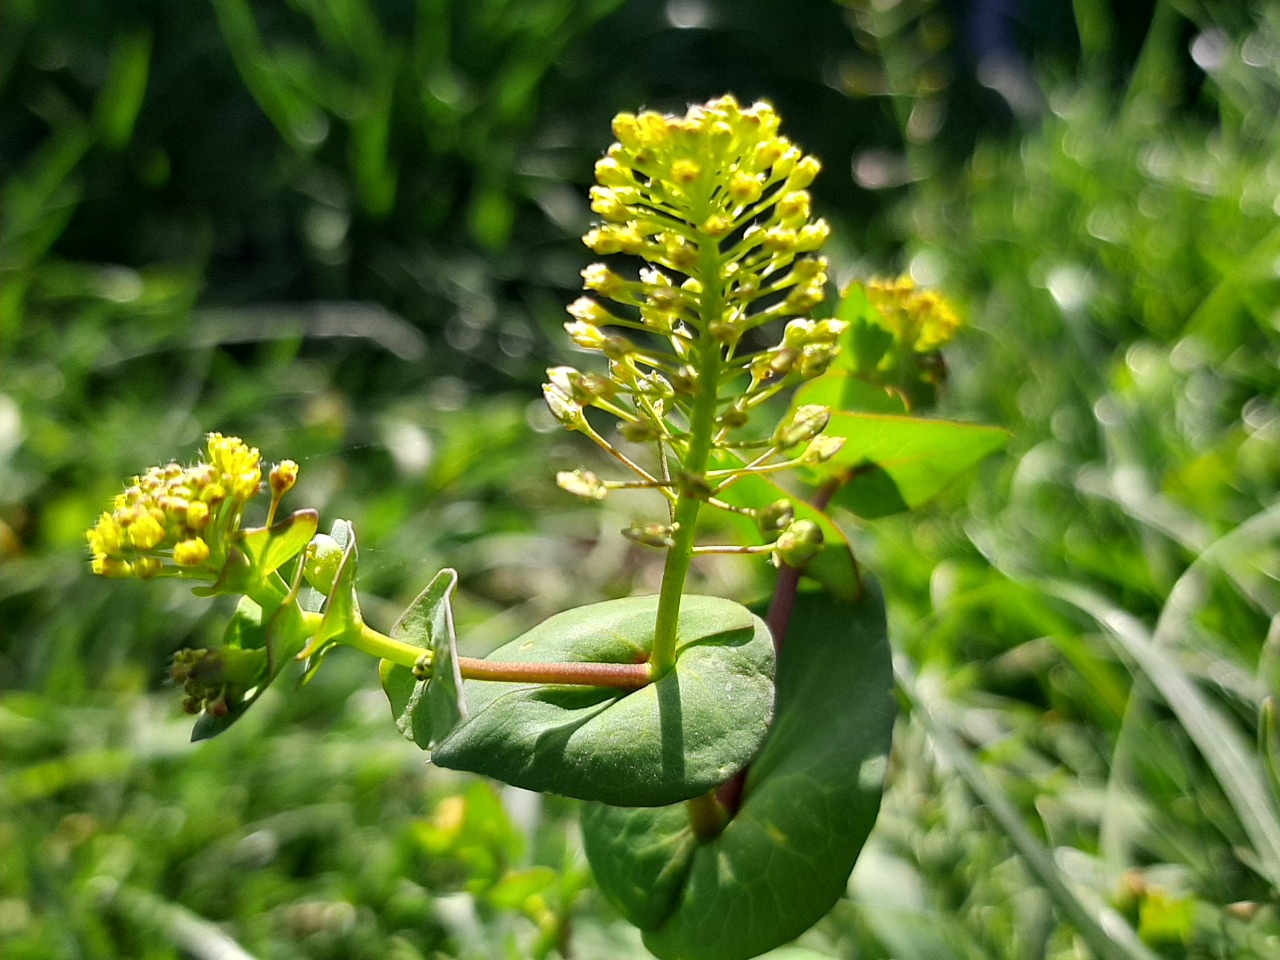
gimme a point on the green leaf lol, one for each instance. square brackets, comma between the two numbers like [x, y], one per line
[426, 710]
[270, 548]
[867, 342]
[342, 611]
[890, 464]
[282, 634]
[844, 391]
[809, 802]
[671, 740]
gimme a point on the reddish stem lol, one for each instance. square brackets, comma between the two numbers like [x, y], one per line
[778, 619]
[623, 676]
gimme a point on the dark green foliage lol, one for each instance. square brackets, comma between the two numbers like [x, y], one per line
[808, 802]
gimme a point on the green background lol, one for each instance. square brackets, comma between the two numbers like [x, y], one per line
[347, 231]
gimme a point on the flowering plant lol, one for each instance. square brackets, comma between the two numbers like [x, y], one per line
[732, 758]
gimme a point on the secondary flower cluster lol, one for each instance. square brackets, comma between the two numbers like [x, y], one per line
[176, 517]
[920, 320]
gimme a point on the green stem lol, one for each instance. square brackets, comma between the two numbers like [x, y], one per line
[702, 424]
[624, 676]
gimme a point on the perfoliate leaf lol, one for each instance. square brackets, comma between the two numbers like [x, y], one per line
[426, 710]
[809, 801]
[671, 740]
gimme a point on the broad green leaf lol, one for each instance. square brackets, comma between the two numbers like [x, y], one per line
[809, 802]
[843, 391]
[269, 548]
[890, 464]
[426, 710]
[671, 740]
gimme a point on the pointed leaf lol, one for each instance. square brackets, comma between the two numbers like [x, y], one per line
[890, 464]
[426, 710]
[809, 801]
[269, 548]
[671, 740]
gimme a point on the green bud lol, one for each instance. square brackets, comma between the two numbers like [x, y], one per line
[733, 417]
[640, 431]
[776, 516]
[798, 544]
[321, 561]
[809, 420]
[581, 483]
[822, 448]
[660, 535]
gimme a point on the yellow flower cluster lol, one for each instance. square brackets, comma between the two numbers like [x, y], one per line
[179, 515]
[921, 320]
[716, 191]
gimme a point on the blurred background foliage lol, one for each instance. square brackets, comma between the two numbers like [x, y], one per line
[346, 230]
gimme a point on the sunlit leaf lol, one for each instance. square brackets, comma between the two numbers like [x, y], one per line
[269, 548]
[890, 464]
[671, 740]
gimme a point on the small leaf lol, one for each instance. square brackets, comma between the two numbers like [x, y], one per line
[342, 612]
[426, 710]
[283, 634]
[809, 801]
[671, 740]
[270, 548]
[889, 464]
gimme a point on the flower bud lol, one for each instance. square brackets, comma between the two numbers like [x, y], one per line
[191, 553]
[798, 544]
[282, 478]
[822, 448]
[808, 420]
[776, 516]
[659, 535]
[581, 483]
[321, 561]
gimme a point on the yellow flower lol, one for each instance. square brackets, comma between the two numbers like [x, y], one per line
[920, 320]
[179, 517]
[190, 553]
[720, 171]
